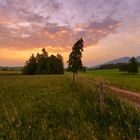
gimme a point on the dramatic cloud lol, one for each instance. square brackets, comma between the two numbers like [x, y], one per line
[25, 36]
[28, 24]
[57, 24]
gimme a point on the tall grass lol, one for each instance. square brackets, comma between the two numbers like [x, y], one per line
[50, 107]
[116, 78]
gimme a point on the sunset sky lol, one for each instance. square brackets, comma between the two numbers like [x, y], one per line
[110, 29]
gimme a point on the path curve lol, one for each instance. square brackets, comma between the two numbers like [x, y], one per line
[133, 97]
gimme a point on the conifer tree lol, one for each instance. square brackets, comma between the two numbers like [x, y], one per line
[30, 66]
[43, 64]
[60, 64]
[75, 62]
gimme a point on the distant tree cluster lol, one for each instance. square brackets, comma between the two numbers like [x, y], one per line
[108, 66]
[44, 64]
[131, 67]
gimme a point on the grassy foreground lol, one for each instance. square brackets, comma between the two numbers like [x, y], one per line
[116, 78]
[50, 107]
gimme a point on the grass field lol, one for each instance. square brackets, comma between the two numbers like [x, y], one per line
[116, 78]
[50, 107]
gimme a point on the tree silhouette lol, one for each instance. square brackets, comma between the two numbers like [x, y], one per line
[75, 62]
[133, 66]
[60, 64]
[43, 64]
[123, 68]
[30, 66]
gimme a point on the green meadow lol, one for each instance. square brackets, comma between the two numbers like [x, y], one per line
[116, 78]
[50, 107]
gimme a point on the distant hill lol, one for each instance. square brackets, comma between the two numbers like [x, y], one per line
[117, 61]
[122, 60]
[138, 58]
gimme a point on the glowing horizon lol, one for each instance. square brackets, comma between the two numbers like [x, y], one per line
[110, 29]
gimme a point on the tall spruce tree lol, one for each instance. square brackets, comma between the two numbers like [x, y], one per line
[75, 62]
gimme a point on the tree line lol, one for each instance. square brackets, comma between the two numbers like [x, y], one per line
[44, 64]
[108, 66]
[132, 67]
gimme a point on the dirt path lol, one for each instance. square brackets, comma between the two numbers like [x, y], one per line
[133, 97]
[129, 96]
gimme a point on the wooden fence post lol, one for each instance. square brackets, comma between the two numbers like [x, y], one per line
[101, 92]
